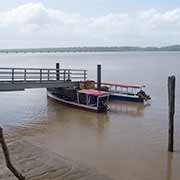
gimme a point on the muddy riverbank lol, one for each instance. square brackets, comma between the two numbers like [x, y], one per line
[36, 163]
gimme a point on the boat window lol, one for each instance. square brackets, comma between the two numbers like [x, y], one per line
[103, 99]
[92, 100]
[82, 99]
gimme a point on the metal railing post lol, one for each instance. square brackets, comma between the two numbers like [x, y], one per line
[48, 74]
[64, 75]
[12, 75]
[40, 75]
[25, 75]
[57, 71]
[69, 76]
[84, 75]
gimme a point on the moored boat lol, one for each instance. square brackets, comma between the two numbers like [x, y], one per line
[86, 99]
[126, 92]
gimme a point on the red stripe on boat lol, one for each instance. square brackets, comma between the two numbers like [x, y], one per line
[93, 92]
[126, 85]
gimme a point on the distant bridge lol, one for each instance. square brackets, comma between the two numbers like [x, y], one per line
[14, 79]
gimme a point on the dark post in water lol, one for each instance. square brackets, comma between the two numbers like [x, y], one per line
[99, 76]
[57, 72]
[171, 99]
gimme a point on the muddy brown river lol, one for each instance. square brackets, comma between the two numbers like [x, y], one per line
[129, 142]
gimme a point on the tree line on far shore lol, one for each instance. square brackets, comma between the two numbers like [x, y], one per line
[92, 49]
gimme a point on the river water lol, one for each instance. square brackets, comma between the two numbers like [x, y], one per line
[129, 142]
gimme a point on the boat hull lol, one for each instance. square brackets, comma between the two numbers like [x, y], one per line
[126, 98]
[74, 104]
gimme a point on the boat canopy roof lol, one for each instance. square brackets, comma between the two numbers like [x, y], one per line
[125, 85]
[93, 92]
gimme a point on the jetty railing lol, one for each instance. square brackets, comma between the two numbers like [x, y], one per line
[43, 74]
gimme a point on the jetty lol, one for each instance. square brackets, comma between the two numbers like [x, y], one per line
[14, 79]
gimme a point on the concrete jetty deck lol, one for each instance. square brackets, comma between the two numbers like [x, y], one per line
[39, 164]
[14, 79]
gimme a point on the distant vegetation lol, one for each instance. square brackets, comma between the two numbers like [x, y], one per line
[91, 49]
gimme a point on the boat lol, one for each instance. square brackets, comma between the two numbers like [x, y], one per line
[125, 91]
[86, 99]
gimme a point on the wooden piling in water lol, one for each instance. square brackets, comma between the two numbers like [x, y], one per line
[171, 102]
[99, 76]
[57, 71]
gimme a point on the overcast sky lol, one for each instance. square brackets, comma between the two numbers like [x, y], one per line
[52, 23]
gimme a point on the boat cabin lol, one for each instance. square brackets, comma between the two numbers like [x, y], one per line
[123, 88]
[94, 98]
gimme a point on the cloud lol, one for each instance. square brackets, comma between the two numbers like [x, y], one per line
[35, 25]
[158, 20]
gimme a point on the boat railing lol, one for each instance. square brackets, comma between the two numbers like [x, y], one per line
[121, 92]
[41, 74]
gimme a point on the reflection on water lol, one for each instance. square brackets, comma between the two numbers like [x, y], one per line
[129, 142]
[17, 108]
[169, 166]
[60, 115]
[128, 108]
[90, 119]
